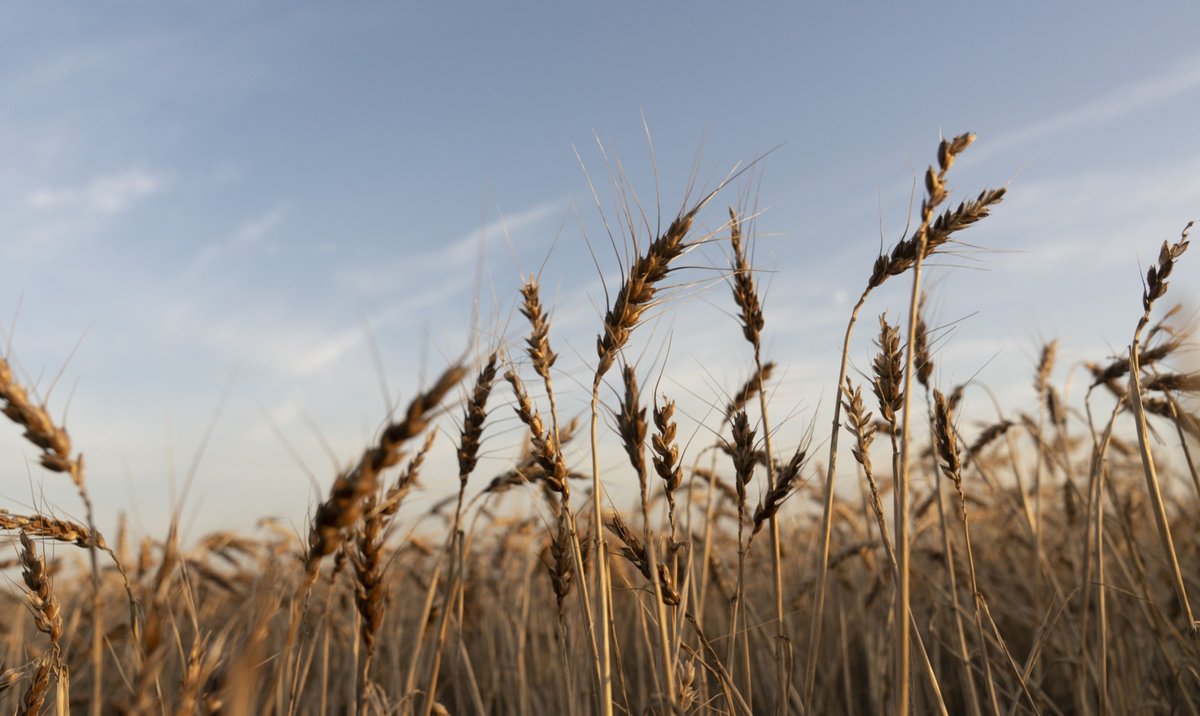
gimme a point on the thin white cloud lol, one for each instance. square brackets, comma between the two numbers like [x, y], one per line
[466, 248]
[254, 230]
[1176, 80]
[295, 349]
[1102, 218]
[458, 253]
[294, 344]
[248, 233]
[107, 194]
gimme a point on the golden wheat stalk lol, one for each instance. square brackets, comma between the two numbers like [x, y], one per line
[1156, 287]
[929, 239]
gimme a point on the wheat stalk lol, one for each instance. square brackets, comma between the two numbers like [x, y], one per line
[1155, 288]
[951, 463]
[636, 294]
[930, 238]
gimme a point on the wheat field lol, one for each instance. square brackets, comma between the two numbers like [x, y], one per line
[898, 560]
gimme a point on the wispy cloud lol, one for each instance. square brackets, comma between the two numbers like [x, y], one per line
[253, 230]
[107, 194]
[291, 343]
[250, 232]
[1180, 79]
[1101, 219]
[456, 254]
[294, 349]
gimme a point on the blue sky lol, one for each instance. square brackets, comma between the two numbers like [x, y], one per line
[240, 199]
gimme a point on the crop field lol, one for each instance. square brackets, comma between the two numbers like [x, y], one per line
[1041, 557]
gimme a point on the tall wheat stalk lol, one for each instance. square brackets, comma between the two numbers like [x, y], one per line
[947, 449]
[548, 451]
[929, 238]
[1156, 287]
[468, 457]
[635, 296]
[745, 295]
[633, 427]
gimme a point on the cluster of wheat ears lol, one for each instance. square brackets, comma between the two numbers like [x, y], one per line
[1031, 566]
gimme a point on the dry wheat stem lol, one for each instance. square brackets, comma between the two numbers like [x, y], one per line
[927, 240]
[632, 427]
[928, 236]
[951, 567]
[547, 454]
[543, 359]
[1156, 287]
[472, 429]
[947, 448]
[744, 460]
[635, 295]
[366, 558]
[1122, 646]
[745, 295]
